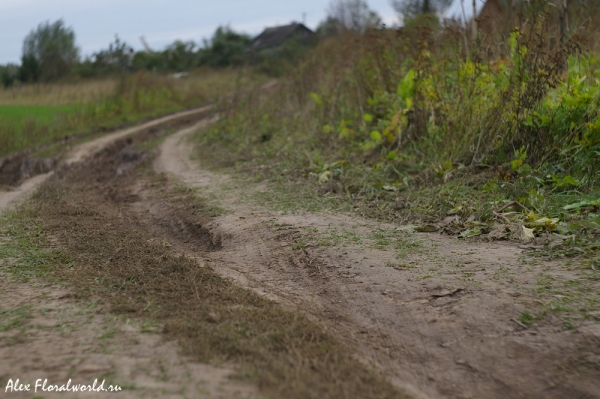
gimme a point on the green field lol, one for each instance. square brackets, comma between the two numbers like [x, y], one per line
[19, 115]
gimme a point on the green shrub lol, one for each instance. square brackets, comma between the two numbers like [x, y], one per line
[411, 106]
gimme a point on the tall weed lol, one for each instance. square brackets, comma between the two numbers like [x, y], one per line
[391, 107]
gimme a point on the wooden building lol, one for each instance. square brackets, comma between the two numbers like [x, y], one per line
[274, 37]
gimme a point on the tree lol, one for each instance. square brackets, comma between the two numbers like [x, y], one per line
[52, 47]
[9, 74]
[30, 69]
[225, 48]
[411, 8]
[153, 61]
[353, 15]
[181, 56]
[117, 58]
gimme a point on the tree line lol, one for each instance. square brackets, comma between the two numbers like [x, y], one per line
[50, 52]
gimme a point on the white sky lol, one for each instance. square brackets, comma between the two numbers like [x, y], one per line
[161, 21]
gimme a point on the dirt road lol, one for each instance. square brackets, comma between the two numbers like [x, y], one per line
[441, 318]
[438, 317]
[47, 331]
[84, 151]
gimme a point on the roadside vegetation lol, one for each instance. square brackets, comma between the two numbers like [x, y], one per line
[30, 116]
[496, 137]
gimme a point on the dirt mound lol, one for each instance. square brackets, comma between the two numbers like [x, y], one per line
[111, 169]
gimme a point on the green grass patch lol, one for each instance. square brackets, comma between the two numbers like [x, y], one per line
[23, 249]
[20, 115]
[526, 318]
[11, 319]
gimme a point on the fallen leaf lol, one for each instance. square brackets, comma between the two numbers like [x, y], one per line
[531, 217]
[543, 224]
[582, 204]
[499, 232]
[471, 233]
[324, 177]
[427, 228]
[527, 234]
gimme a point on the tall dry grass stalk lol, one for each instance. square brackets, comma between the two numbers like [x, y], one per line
[83, 92]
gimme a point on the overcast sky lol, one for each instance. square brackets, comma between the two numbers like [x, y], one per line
[161, 21]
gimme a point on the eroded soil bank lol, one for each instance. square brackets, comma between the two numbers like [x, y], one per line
[312, 305]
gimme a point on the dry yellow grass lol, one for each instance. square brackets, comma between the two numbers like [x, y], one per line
[90, 91]
[82, 92]
[215, 82]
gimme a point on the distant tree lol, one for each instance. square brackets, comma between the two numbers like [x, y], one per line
[49, 52]
[85, 69]
[329, 27]
[9, 74]
[411, 8]
[117, 58]
[30, 69]
[181, 56]
[225, 48]
[354, 15]
[153, 61]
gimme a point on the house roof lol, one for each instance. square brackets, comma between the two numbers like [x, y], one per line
[272, 37]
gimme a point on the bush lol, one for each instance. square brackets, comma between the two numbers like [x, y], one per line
[225, 48]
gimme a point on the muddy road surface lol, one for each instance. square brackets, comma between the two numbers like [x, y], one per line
[432, 316]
